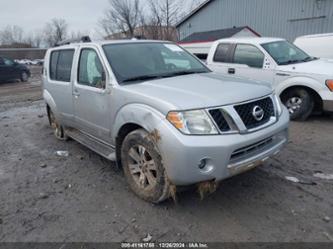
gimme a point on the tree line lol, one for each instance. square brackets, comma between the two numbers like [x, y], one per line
[153, 19]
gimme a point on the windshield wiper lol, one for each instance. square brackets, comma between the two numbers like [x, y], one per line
[160, 76]
[182, 73]
[290, 62]
[310, 58]
[141, 78]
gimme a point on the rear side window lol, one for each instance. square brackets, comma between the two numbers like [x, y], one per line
[249, 55]
[61, 65]
[222, 53]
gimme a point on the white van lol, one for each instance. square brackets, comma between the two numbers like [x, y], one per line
[320, 45]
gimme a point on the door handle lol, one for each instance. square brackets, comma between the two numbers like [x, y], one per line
[231, 71]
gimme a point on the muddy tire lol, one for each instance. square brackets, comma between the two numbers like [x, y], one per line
[299, 103]
[24, 77]
[143, 167]
[58, 130]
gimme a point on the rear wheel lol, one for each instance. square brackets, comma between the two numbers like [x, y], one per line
[57, 128]
[143, 167]
[299, 103]
[24, 77]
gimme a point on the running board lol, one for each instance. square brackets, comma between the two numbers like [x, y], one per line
[92, 143]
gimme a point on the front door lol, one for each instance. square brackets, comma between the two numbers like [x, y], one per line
[2, 70]
[90, 96]
[249, 62]
[8, 71]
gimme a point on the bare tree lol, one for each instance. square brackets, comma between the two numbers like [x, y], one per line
[77, 35]
[11, 35]
[35, 39]
[55, 31]
[121, 16]
[164, 15]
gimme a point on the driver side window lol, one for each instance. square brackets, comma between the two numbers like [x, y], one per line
[249, 55]
[91, 72]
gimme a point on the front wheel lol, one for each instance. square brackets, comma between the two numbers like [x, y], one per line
[24, 77]
[299, 103]
[143, 167]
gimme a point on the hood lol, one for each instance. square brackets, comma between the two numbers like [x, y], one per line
[320, 66]
[199, 91]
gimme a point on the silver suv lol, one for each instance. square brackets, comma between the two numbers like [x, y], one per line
[161, 114]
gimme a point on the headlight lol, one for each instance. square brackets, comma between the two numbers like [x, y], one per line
[278, 104]
[192, 122]
[329, 84]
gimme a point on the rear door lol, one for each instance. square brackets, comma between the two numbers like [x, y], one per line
[60, 83]
[91, 96]
[222, 58]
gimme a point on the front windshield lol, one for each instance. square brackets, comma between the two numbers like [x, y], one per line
[142, 61]
[285, 53]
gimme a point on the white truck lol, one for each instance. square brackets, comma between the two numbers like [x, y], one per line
[304, 83]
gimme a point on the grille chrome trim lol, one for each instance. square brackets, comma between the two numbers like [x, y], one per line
[246, 112]
[235, 121]
[219, 117]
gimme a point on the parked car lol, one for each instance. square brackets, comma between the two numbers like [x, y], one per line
[11, 70]
[37, 62]
[320, 45]
[160, 113]
[304, 83]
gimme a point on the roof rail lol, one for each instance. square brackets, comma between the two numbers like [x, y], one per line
[83, 39]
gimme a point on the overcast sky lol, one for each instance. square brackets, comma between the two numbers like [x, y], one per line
[81, 15]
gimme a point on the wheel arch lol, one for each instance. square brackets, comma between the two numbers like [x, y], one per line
[50, 104]
[316, 97]
[132, 117]
[123, 132]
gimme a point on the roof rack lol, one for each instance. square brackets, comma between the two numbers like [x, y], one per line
[83, 39]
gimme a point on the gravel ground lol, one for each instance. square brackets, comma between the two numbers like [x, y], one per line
[84, 198]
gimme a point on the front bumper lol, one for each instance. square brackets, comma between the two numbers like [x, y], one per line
[328, 105]
[222, 155]
[327, 97]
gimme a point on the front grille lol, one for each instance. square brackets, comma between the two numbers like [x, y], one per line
[219, 120]
[251, 148]
[245, 111]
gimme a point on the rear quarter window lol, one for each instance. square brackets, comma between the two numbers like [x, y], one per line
[61, 65]
[222, 53]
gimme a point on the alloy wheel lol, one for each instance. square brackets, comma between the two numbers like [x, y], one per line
[142, 167]
[294, 104]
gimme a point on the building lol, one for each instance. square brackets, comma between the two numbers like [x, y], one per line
[278, 18]
[200, 43]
